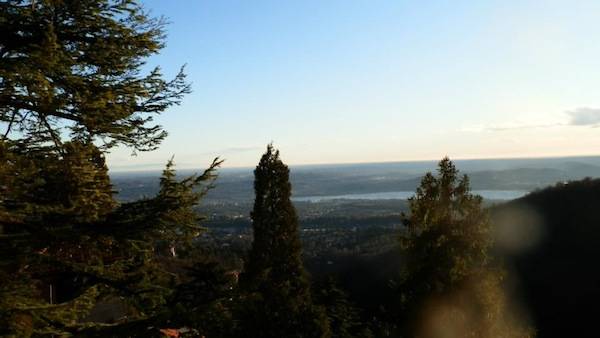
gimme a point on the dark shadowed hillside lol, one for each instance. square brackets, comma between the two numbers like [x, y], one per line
[553, 237]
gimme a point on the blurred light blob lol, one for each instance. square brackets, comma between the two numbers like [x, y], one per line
[517, 229]
[479, 308]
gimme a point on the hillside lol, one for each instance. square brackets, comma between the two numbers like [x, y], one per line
[553, 247]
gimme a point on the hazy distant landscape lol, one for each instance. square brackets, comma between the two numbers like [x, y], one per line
[494, 179]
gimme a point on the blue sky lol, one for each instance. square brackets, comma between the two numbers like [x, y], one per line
[373, 81]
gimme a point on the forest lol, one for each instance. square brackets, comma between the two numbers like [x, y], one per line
[78, 261]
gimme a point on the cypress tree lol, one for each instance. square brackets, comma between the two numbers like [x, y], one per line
[278, 300]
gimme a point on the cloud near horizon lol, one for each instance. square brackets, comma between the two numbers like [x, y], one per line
[584, 116]
[579, 117]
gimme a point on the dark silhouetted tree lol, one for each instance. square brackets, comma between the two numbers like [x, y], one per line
[87, 259]
[206, 300]
[344, 316]
[449, 286]
[278, 300]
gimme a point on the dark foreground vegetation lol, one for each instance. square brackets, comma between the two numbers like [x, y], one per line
[550, 238]
[74, 261]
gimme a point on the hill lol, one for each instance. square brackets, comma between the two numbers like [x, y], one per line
[552, 237]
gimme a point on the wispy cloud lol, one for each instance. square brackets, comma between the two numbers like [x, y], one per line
[584, 117]
[523, 126]
[579, 117]
[508, 126]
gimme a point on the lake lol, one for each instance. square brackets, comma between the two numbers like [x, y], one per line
[486, 194]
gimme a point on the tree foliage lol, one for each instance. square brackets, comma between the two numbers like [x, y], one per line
[278, 300]
[72, 86]
[344, 316]
[73, 68]
[206, 300]
[447, 232]
[89, 257]
[449, 285]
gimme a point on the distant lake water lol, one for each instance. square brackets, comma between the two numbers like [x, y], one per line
[402, 195]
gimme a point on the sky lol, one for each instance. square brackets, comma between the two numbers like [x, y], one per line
[344, 81]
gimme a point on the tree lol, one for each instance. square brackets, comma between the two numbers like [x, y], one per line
[90, 260]
[449, 285]
[344, 316]
[206, 300]
[71, 88]
[74, 67]
[278, 300]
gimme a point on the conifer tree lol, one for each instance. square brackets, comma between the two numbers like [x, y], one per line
[450, 285]
[206, 301]
[344, 316]
[95, 259]
[278, 300]
[72, 68]
[447, 232]
[72, 87]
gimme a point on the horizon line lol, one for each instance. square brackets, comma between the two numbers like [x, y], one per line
[324, 164]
